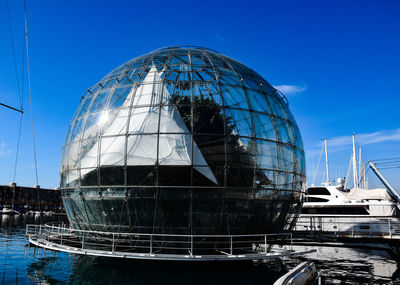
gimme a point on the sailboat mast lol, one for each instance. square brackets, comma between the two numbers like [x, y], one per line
[326, 162]
[360, 168]
[354, 162]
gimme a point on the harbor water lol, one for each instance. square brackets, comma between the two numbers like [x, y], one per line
[24, 264]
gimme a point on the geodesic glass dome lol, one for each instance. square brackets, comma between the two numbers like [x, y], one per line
[183, 140]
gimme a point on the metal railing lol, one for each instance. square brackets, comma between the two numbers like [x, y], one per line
[63, 236]
[349, 225]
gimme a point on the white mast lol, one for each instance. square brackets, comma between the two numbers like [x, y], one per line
[365, 179]
[360, 168]
[354, 162]
[326, 163]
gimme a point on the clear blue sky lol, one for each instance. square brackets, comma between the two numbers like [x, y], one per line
[337, 61]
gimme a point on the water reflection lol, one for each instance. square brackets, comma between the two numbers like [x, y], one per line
[88, 270]
[21, 263]
[352, 265]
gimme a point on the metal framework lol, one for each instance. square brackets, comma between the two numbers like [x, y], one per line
[59, 237]
[186, 141]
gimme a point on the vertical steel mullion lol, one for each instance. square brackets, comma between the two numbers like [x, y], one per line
[100, 136]
[223, 113]
[253, 131]
[192, 149]
[158, 145]
[134, 88]
[225, 139]
[84, 120]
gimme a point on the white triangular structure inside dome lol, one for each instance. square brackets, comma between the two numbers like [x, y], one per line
[175, 141]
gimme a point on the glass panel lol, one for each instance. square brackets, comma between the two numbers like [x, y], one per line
[112, 176]
[112, 150]
[234, 97]
[203, 176]
[84, 106]
[266, 154]
[174, 175]
[171, 121]
[92, 125]
[229, 79]
[89, 176]
[205, 74]
[206, 92]
[240, 152]
[177, 150]
[149, 91]
[283, 131]
[265, 179]
[264, 126]
[144, 120]
[196, 59]
[64, 158]
[283, 180]
[71, 156]
[70, 178]
[238, 122]
[300, 162]
[208, 120]
[99, 102]
[114, 122]
[211, 147]
[297, 136]
[239, 176]
[285, 157]
[76, 131]
[258, 101]
[141, 175]
[142, 150]
[181, 96]
[277, 106]
[120, 97]
[88, 153]
[251, 82]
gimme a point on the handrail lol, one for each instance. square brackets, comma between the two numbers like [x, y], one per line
[51, 225]
[350, 226]
[59, 237]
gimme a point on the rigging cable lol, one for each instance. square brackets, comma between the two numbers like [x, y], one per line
[316, 170]
[20, 90]
[13, 53]
[22, 104]
[29, 91]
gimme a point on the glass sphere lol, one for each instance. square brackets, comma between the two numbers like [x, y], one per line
[183, 140]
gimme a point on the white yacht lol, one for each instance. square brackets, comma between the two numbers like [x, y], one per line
[351, 211]
[336, 209]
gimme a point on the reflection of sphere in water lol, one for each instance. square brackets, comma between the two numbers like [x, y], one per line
[182, 140]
